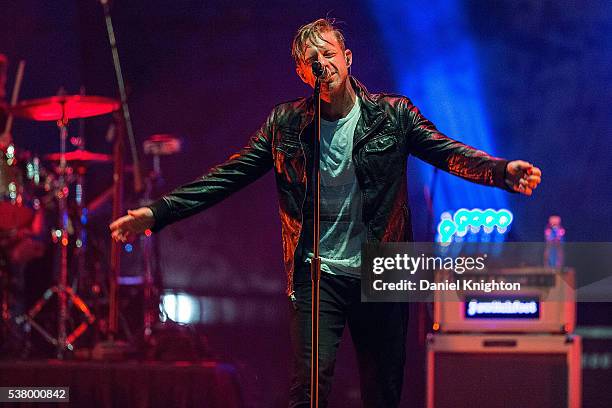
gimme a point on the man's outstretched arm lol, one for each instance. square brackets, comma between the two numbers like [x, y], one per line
[429, 144]
[241, 169]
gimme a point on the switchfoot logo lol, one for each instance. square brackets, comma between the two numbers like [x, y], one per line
[463, 219]
[507, 307]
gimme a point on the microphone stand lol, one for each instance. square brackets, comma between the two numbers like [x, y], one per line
[315, 266]
[113, 348]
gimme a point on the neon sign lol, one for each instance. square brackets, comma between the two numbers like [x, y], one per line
[465, 220]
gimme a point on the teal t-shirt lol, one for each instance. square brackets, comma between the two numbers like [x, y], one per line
[342, 228]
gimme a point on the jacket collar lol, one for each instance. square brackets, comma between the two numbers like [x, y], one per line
[371, 113]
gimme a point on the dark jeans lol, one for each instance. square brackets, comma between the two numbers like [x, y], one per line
[378, 331]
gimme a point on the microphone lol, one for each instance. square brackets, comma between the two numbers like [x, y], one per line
[318, 70]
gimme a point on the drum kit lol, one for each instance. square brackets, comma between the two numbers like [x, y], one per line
[27, 184]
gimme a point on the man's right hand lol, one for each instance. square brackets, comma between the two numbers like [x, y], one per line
[136, 222]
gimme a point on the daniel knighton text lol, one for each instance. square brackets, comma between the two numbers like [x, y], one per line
[465, 285]
[459, 265]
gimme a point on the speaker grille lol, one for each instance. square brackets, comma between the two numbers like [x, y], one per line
[500, 380]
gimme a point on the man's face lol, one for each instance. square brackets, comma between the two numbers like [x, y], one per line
[329, 53]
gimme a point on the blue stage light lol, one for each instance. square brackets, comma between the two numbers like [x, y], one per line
[436, 63]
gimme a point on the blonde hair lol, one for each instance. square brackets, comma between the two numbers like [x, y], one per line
[310, 33]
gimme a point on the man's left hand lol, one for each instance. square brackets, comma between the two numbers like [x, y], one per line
[522, 176]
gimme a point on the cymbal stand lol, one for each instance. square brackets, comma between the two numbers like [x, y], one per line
[156, 146]
[64, 341]
[79, 225]
[79, 191]
[149, 254]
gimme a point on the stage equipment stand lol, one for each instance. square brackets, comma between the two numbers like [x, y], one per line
[155, 146]
[147, 244]
[112, 348]
[64, 340]
[315, 266]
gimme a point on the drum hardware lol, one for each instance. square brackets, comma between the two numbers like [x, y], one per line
[15, 203]
[111, 347]
[161, 145]
[62, 109]
[11, 181]
[81, 157]
[15, 96]
[16, 215]
[156, 146]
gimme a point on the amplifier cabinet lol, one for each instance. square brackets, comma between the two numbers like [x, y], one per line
[503, 371]
[596, 365]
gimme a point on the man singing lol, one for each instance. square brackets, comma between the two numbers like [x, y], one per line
[365, 143]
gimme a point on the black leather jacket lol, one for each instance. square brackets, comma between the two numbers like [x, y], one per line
[390, 128]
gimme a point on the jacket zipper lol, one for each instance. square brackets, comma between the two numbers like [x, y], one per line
[363, 195]
[292, 294]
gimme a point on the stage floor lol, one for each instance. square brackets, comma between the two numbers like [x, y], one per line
[130, 383]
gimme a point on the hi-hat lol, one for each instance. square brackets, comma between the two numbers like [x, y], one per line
[64, 107]
[163, 144]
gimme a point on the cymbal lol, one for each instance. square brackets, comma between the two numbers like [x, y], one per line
[163, 144]
[66, 106]
[84, 156]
